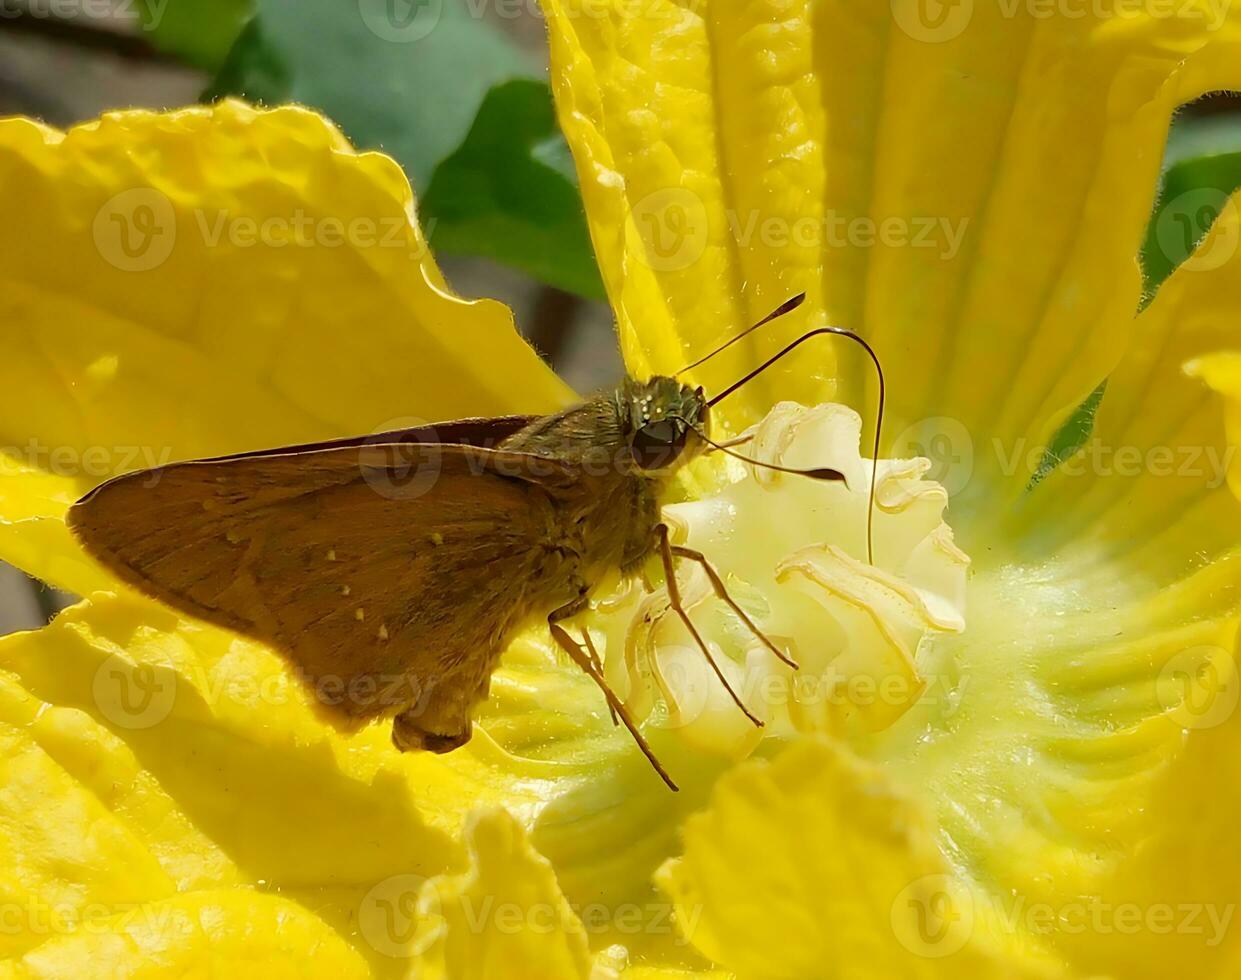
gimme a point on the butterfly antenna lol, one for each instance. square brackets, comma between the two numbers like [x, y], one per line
[857, 339]
[788, 306]
[818, 473]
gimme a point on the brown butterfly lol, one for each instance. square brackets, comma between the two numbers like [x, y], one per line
[392, 570]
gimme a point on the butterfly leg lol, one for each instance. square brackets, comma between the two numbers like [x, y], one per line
[572, 609]
[588, 659]
[597, 661]
[674, 600]
[718, 584]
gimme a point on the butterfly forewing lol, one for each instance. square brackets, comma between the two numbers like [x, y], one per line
[484, 432]
[377, 570]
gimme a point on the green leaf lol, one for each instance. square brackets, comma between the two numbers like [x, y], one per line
[199, 32]
[405, 76]
[1203, 168]
[510, 193]
[452, 99]
[1071, 436]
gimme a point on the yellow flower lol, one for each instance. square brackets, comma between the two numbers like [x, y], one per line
[966, 185]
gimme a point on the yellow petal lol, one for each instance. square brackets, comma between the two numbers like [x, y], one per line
[201, 754]
[50, 822]
[1222, 373]
[33, 534]
[1149, 488]
[605, 820]
[969, 193]
[1179, 893]
[504, 917]
[218, 279]
[1097, 688]
[167, 756]
[1056, 724]
[814, 865]
[1173, 909]
[204, 934]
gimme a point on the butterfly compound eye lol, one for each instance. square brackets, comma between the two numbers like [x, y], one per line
[658, 443]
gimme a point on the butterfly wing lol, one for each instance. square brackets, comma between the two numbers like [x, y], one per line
[389, 575]
[482, 432]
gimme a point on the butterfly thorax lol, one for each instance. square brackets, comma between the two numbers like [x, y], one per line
[625, 445]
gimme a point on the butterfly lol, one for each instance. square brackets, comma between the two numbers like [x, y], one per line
[392, 570]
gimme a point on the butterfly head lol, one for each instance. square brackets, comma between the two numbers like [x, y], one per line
[663, 421]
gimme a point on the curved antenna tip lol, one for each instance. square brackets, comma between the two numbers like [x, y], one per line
[788, 306]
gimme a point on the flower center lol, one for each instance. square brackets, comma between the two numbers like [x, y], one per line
[792, 553]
